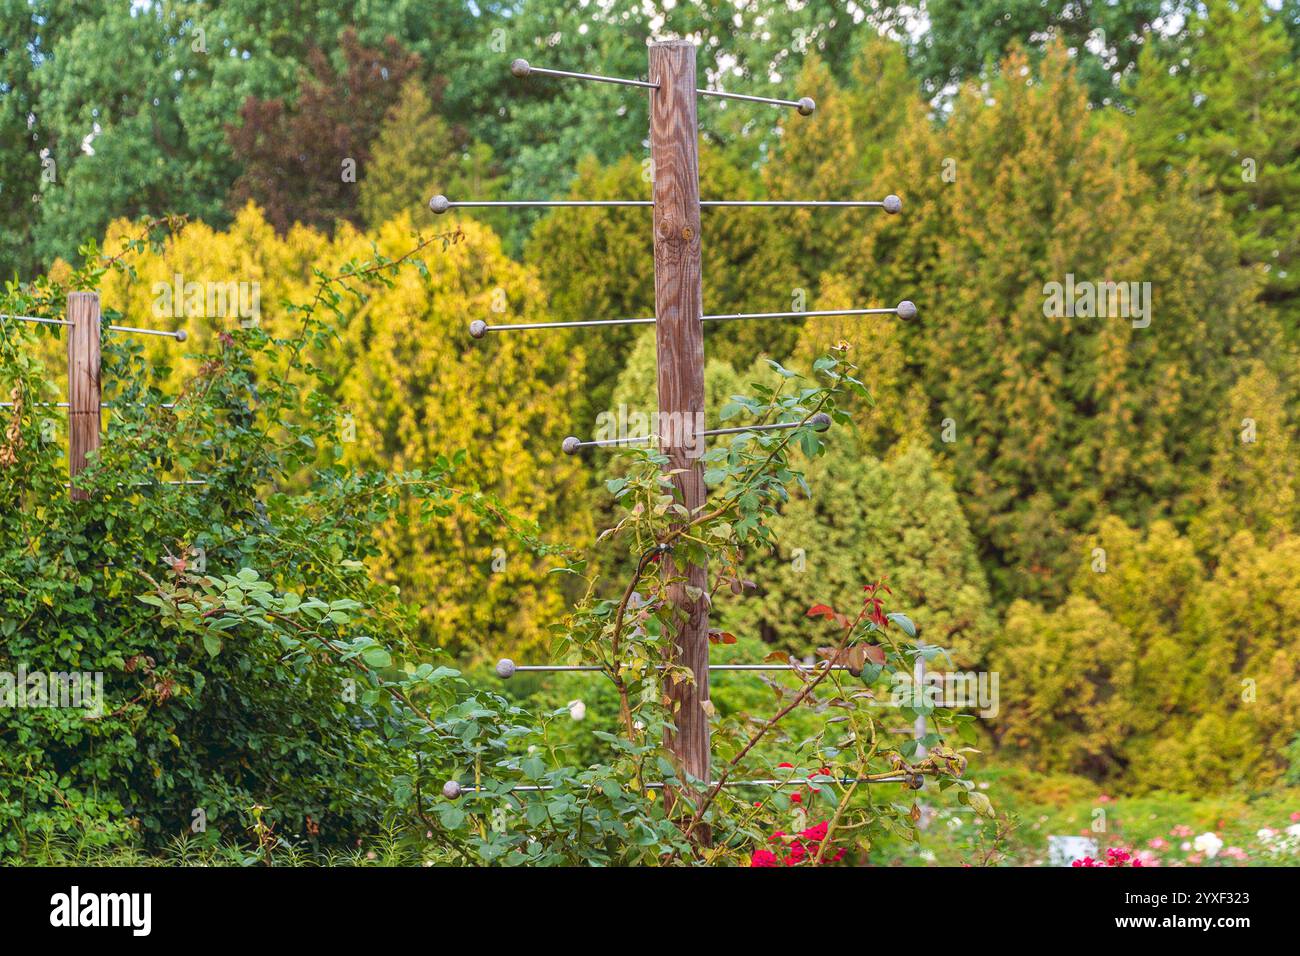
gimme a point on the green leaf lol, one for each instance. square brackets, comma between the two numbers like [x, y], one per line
[377, 657]
[903, 621]
[451, 816]
[980, 804]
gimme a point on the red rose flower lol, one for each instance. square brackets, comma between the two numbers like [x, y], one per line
[815, 833]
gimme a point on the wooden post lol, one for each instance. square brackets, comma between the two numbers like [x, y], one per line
[674, 154]
[83, 383]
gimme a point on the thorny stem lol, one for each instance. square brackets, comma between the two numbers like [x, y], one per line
[864, 761]
[625, 707]
[762, 732]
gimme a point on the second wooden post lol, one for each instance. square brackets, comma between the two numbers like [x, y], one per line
[83, 383]
[674, 154]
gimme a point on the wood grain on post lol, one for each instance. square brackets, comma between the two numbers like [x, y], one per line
[674, 154]
[83, 383]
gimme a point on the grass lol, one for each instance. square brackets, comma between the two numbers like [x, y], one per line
[386, 849]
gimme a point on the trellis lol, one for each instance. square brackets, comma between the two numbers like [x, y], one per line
[678, 321]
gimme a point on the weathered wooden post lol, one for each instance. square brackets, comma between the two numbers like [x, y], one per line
[83, 383]
[679, 331]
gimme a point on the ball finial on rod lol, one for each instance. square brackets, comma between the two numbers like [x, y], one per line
[906, 309]
[570, 445]
[821, 421]
[520, 67]
[181, 335]
[893, 205]
[505, 668]
[806, 106]
[439, 204]
[451, 790]
[478, 329]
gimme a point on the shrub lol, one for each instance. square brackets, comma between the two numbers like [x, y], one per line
[239, 634]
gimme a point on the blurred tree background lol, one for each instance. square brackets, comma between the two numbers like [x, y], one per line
[1105, 511]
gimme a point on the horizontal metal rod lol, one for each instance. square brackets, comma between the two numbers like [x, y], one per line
[572, 445]
[891, 204]
[179, 335]
[34, 318]
[478, 328]
[506, 668]
[453, 789]
[522, 68]
[805, 105]
[102, 405]
[146, 484]
[440, 203]
[905, 309]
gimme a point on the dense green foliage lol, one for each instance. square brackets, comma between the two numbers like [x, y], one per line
[1103, 508]
[221, 616]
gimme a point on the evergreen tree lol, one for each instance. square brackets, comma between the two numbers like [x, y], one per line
[418, 386]
[1252, 480]
[1154, 675]
[896, 414]
[896, 520]
[1228, 96]
[1073, 675]
[815, 158]
[203, 259]
[1050, 413]
[637, 388]
[415, 156]
[1147, 583]
[1244, 671]
[408, 160]
[599, 263]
